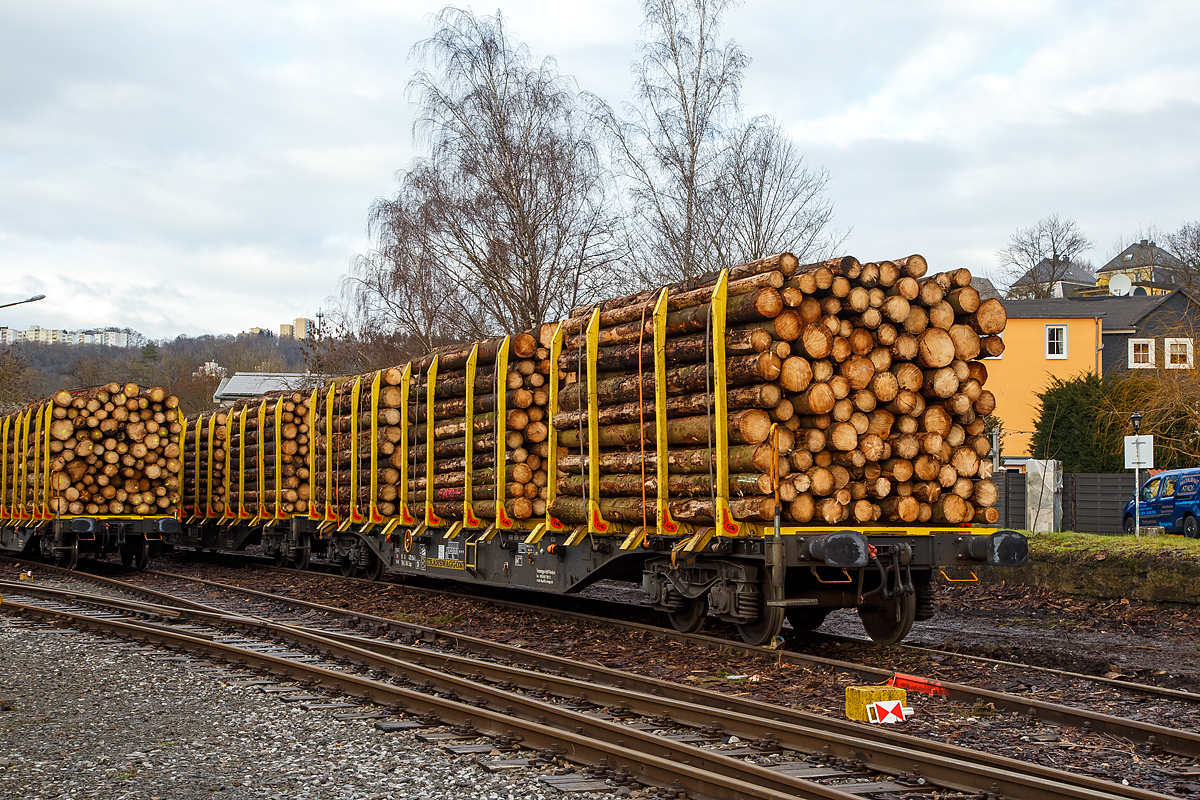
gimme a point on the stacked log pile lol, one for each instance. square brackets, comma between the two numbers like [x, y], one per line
[209, 498]
[521, 434]
[290, 474]
[869, 373]
[113, 450]
[202, 497]
[344, 445]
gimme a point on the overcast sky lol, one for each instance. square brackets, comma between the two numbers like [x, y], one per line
[194, 168]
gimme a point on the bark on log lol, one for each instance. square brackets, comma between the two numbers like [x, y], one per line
[739, 371]
[742, 458]
[739, 398]
[632, 510]
[745, 427]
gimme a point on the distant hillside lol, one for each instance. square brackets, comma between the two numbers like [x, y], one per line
[29, 371]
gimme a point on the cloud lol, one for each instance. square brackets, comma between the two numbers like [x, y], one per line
[193, 168]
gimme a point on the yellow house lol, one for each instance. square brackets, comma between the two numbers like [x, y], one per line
[1040, 343]
[1066, 337]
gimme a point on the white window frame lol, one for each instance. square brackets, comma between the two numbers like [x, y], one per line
[1046, 341]
[1187, 343]
[1151, 363]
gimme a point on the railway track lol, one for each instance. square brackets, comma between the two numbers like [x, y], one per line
[814, 746]
[610, 614]
[1176, 741]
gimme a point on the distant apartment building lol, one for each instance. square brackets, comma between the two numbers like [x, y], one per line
[301, 328]
[111, 337]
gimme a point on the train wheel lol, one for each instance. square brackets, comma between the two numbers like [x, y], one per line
[691, 617]
[302, 558]
[67, 557]
[769, 623]
[891, 622]
[376, 570]
[806, 618]
[142, 557]
[348, 567]
[281, 558]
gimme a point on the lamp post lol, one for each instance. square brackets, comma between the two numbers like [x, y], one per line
[1135, 419]
[35, 298]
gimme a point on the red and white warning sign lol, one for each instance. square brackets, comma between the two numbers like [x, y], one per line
[888, 711]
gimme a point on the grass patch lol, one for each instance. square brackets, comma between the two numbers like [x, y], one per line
[1068, 544]
[1163, 569]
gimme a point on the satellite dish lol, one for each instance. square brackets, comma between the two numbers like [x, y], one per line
[1119, 285]
[1140, 291]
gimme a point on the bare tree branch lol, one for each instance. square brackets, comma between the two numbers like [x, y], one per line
[1041, 255]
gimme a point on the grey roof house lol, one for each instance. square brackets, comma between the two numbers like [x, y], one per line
[1147, 265]
[1138, 332]
[1055, 280]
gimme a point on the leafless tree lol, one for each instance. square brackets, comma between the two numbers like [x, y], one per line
[768, 201]
[1041, 255]
[1172, 258]
[1184, 244]
[17, 380]
[505, 224]
[401, 286]
[672, 145]
[705, 189]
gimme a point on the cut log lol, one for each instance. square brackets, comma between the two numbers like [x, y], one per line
[742, 458]
[745, 427]
[795, 374]
[819, 399]
[739, 371]
[989, 319]
[902, 509]
[633, 510]
[738, 398]
[935, 348]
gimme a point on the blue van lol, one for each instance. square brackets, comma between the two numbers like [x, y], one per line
[1171, 500]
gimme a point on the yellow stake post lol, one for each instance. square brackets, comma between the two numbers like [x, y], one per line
[373, 510]
[355, 393]
[431, 519]
[596, 521]
[723, 518]
[502, 522]
[406, 517]
[666, 525]
[469, 519]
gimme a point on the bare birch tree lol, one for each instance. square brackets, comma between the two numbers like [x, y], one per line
[705, 190]
[768, 201]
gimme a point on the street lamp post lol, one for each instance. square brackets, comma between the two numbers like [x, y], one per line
[30, 300]
[1135, 420]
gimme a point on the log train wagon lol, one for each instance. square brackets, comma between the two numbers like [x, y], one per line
[90, 471]
[246, 477]
[771, 441]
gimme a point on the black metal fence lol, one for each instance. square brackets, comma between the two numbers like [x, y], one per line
[1011, 502]
[1090, 503]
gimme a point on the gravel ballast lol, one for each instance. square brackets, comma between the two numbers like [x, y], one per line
[81, 716]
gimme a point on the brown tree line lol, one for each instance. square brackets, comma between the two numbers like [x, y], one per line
[30, 371]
